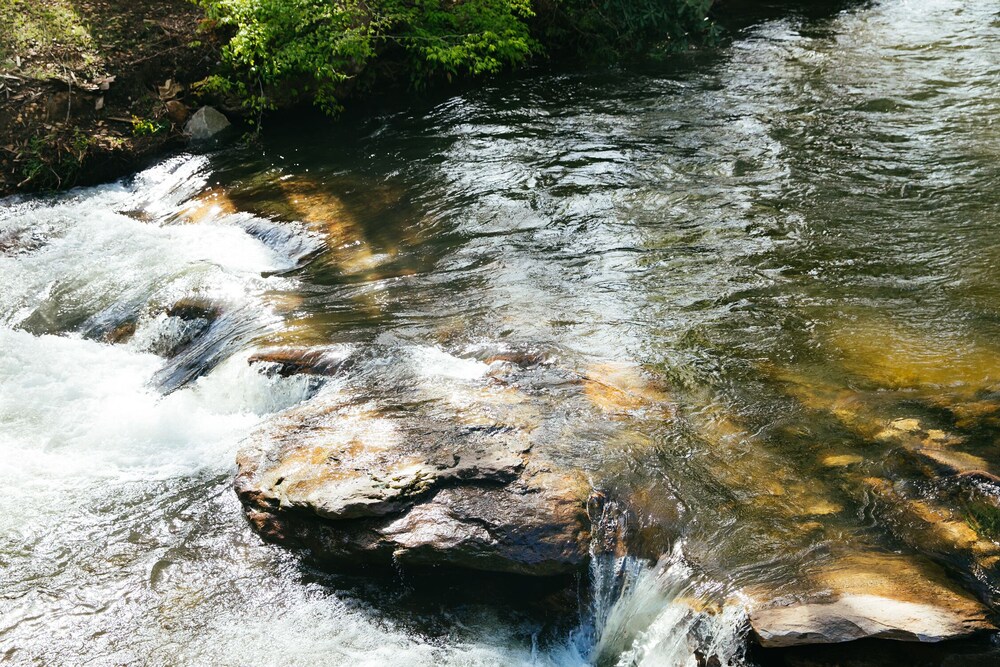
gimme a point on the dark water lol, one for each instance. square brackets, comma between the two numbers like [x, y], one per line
[772, 265]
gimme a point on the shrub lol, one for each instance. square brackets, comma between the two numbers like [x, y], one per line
[285, 51]
[281, 52]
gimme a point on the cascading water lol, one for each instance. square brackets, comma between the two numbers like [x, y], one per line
[661, 614]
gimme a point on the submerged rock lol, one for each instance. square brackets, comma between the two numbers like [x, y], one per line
[934, 528]
[364, 486]
[287, 361]
[183, 322]
[621, 388]
[872, 596]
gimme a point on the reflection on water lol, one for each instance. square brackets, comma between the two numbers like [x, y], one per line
[755, 291]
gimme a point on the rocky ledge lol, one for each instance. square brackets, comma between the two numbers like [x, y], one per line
[356, 485]
[871, 596]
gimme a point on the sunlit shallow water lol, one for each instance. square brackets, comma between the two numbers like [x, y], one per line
[779, 258]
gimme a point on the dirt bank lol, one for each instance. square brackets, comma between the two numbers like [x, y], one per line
[91, 89]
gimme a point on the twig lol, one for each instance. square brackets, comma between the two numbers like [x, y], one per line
[69, 100]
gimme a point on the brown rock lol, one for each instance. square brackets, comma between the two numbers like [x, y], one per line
[286, 361]
[194, 309]
[872, 596]
[121, 333]
[360, 485]
[177, 112]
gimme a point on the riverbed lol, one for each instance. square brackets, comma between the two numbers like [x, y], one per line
[776, 259]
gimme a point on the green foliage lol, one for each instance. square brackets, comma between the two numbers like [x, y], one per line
[143, 127]
[285, 51]
[282, 52]
[467, 37]
[54, 160]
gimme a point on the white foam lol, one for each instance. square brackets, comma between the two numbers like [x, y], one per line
[73, 407]
[317, 631]
[664, 614]
[433, 362]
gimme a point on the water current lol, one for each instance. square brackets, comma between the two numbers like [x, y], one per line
[781, 258]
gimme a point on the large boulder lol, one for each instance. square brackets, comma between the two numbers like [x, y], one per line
[873, 596]
[367, 485]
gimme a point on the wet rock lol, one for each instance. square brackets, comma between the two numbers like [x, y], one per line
[193, 309]
[16, 241]
[936, 448]
[953, 462]
[521, 358]
[872, 596]
[360, 485]
[979, 477]
[861, 616]
[206, 123]
[707, 661]
[974, 414]
[530, 526]
[186, 320]
[641, 524]
[121, 333]
[285, 361]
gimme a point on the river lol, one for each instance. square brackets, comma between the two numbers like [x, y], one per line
[789, 242]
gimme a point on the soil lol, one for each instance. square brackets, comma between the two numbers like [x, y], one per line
[92, 89]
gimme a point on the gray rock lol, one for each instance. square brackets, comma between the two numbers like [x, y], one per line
[365, 486]
[206, 123]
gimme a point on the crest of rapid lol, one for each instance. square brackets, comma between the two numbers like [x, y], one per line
[792, 237]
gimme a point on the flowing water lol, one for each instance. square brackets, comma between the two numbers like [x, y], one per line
[775, 266]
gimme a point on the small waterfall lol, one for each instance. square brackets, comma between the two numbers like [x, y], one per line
[641, 614]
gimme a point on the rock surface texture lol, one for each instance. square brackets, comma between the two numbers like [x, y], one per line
[873, 596]
[357, 484]
[206, 123]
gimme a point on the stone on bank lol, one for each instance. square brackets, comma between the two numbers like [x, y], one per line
[206, 123]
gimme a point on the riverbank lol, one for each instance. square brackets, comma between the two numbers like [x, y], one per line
[92, 90]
